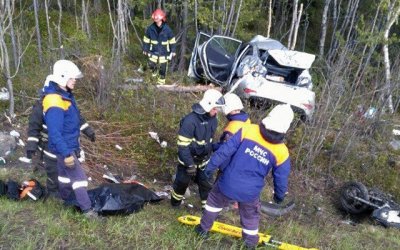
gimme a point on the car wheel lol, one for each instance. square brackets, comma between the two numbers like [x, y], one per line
[348, 194]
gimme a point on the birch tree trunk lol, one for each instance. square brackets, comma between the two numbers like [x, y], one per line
[297, 27]
[4, 58]
[182, 64]
[10, 12]
[85, 20]
[49, 34]
[38, 37]
[213, 18]
[59, 29]
[223, 10]
[323, 28]
[76, 15]
[269, 19]
[230, 17]
[294, 18]
[393, 14]
[237, 18]
[195, 16]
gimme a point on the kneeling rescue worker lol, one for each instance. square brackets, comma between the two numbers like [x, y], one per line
[252, 152]
[195, 137]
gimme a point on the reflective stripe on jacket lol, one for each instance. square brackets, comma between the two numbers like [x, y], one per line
[62, 118]
[159, 43]
[195, 138]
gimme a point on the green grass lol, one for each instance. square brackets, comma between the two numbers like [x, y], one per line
[51, 225]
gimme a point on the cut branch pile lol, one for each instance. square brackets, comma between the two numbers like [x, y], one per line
[112, 150]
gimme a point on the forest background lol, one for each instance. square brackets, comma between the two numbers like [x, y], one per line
[357, 69]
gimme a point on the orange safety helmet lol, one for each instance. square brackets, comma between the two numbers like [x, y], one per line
[159, 15]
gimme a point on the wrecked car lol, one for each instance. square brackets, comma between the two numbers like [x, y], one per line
[260, 70]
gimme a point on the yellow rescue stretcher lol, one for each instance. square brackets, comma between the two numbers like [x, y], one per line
[237, 232]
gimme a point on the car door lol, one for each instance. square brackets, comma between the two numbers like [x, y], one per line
[218, 56]
[195, 68]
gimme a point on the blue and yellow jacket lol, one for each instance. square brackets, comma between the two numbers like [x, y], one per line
[62, 118]
[159, 43]
[236, 122]
[251, 156]
[195, 137]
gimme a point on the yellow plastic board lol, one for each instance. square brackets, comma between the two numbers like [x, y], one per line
[223, 228]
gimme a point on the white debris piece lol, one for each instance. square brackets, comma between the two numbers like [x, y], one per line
[163, 144]
[25, 160]
[4, 94]
[162, 194]
[118, 147]
[15, 133]
[82, 156]
[155, 136]
[21, 143]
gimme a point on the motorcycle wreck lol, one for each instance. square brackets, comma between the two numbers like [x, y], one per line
[356, 198]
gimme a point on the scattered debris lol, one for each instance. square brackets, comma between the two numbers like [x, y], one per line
[162, 194]
[118, 147]
[4, 94]
[2, 161]
[21, 143]
[155, 136]
[135, 80]
[25, 160]
[348, 222]
[15, 133]
[7, 144]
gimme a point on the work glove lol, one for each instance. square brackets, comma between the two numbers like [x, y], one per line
[191, 170]
[30, 153]
[89, 132]
[69, 161]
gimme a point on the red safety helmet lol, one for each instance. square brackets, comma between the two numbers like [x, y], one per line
[159, 15]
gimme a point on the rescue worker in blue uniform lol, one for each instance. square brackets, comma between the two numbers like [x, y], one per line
[62, 118]
[252, 152]
[159, 45]
[38, 141]
[195, 139]
[237, 118]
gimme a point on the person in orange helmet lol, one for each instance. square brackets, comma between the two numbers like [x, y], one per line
[159, 45]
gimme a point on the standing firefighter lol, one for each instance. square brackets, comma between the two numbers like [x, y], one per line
[195, 146]
[62, 118]
[159, 45]
[252, 153]
[38, 140]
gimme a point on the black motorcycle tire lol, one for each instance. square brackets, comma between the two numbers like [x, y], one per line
[348, 192]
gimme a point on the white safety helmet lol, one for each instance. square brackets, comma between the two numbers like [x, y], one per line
[232, 102]
[63, 70]
[279, 119]
[212, 98]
